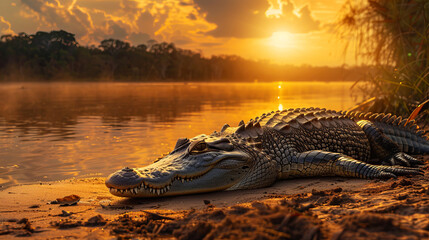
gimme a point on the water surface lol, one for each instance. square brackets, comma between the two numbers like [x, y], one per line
[53, 131]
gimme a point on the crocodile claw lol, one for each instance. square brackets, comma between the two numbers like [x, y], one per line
[402, 159]
[394, 171]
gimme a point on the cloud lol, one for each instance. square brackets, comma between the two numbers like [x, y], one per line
[107, 6]
[116, 30]
[183, 3]
[53, 14]
[35, 5]
[5, 27]
[131, 20]
[236, 18]
[173, 23]
[139, 38]
[291, 22]
[189, 23]
[91, 25]
[192, 16]
[145, 23]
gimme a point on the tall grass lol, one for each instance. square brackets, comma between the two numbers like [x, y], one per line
[393, 37]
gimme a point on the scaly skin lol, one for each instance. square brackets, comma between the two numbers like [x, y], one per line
[279, 145]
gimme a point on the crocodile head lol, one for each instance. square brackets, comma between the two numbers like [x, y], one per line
[201, 164]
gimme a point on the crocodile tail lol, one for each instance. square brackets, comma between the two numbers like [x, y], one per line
[407, 134]
[409, 137]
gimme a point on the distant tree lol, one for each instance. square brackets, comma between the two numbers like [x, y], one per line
[112, 45]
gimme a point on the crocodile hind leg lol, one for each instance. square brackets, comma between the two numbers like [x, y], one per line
[322, 163]
[384, 149]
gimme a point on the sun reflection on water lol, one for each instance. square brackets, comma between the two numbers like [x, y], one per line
[280, 107]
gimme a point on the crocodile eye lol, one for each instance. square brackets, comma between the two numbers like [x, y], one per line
[199, 147]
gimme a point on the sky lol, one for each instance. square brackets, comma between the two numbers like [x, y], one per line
[280, 31]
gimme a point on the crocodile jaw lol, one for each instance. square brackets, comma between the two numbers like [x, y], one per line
[214, 180]
[164, 178]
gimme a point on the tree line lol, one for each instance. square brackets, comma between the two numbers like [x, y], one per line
[56, 55]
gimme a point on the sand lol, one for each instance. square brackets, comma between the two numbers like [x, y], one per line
[312, 208]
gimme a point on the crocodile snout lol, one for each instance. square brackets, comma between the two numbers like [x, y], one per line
[124, 178]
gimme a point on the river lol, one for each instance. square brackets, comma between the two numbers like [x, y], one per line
[55, 131]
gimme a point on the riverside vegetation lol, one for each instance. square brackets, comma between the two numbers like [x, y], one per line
[56, 55]
[392, 36]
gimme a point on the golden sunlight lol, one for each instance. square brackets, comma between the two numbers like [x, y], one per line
[275, 10]
[280, 40]
[273, 13]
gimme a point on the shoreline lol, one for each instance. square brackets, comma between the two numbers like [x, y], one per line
[173, 82]
[331, 207]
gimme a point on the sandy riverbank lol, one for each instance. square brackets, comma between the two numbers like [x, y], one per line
[328, 208]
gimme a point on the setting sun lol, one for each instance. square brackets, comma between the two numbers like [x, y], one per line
[281, 40]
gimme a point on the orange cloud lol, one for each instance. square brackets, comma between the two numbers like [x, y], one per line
[296, 20]
[131, 20]
[236, 18]
[80, 20]
[55, 15]
[182, 22]
[5, 27]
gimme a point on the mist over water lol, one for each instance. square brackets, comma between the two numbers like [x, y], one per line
[54, 131]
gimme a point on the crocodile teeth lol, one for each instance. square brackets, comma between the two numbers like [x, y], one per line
[153, 190]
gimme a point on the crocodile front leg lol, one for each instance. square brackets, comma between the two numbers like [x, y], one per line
[321, 163]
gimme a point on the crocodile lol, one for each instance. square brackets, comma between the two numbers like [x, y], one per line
[293, 143]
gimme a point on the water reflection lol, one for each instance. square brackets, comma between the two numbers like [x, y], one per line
[59, 130]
